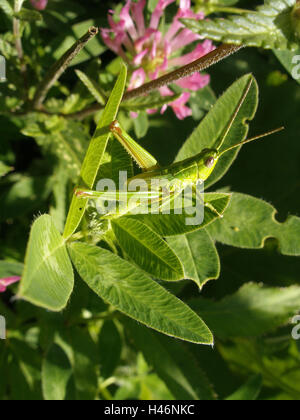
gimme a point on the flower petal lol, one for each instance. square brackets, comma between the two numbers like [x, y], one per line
[184, 11]
[180, 108]
[137, 79]
[137, 61]
[139, 43]
[184, 38]
[4, 283]
[138, 15]
[129, 24]
[158, 12]
[200, 50]
[194, 82]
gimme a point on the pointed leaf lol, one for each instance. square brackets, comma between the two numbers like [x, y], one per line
[172, 362]
[210, 130]
[199, 256]
[248, 392]
[132, 292]
[28, 15]
[176, 224]
[56, 373]
[95, 153]
[251, 312]
[92, 86]
[110, 348]
[8, 269]
[6, 7]
[48, 277]
[147, 249]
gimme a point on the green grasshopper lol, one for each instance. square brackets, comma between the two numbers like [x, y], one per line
[176, 177]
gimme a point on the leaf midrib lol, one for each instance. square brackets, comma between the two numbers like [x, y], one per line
[147, 247]
[37, 268]
[125, 291]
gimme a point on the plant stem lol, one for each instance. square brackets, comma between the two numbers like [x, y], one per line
[201, 64]
[18, 44]
[60, 66]
[234, 10]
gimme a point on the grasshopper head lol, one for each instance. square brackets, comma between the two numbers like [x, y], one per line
[207, 163]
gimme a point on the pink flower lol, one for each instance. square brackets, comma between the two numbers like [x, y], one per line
[4, 283]
[150, 53]
[179, 106]
[39, 4]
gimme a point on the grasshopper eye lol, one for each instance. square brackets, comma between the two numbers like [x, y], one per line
[209, 163]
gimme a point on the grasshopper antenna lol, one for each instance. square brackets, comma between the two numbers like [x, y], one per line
[269, 133]
[241, 103]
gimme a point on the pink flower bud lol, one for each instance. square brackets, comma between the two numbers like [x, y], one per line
[39, 4]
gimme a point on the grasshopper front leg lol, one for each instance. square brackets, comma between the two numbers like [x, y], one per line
[143, 158]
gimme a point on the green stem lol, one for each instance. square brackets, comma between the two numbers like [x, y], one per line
[234, 10]
[19, 46]
[103, 388]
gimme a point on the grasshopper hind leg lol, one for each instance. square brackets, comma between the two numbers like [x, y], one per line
[213, 209]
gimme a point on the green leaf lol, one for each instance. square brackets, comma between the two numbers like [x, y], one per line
[141, 125]
[8, 269]
[48, 277]
[210, 130]
[251, 312]
[58, 209]
[147, 249]
[176, 224]
[115, 160]
[4, 169]
[56, 373]
[26, 192]
[202, 101]
[172, 362]
[83, 357]
[217, 6]
[29, 362]
[248, 392]
[291, 61]
[110, 348]
[59, 45]
[95, 153]
[199, 256]
[277, 362]
[151, 101]
[6, 7]
[132, 292]
[269, 27]
[29, 15]
[248, 222]
[92, 86]
[65, 139]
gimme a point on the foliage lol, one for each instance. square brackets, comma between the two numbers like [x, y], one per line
[271, 26]
[101, 300]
